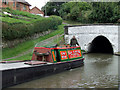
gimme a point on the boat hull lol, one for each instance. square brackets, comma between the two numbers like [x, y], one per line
[16, 76]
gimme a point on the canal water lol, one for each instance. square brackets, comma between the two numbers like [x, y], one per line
[99, 71]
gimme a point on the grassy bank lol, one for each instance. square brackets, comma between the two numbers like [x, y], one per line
[21, 58]
[76, 23]
[29, 55]
[22, 47]
[18, 16]
[72, 22]
[19, 24]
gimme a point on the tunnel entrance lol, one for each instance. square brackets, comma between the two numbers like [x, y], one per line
[100, 45]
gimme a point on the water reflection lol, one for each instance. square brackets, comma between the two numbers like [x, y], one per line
[99, 71]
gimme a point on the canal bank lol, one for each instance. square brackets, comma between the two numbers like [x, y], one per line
[17, 73]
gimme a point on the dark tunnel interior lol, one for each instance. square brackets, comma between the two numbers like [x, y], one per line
[100, 45]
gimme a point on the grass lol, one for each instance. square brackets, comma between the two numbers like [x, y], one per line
[20, 20]
[22, 47]
[72, 22]
[29, 55]
[13, 20]
[75, 22]
[20, 13]
[18, 16]
[24, 57]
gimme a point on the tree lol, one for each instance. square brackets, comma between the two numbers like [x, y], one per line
[104, 12]
[74, 13]
[52, 8]
[65, 9]
[72, 10]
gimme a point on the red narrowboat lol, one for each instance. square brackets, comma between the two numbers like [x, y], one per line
[57, 54]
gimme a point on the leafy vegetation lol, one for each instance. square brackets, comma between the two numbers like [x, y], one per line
[105, 12]
[16, 16]
[20, 13]
[52, 8]
[25, 46]
[22, 30]
[24, 24]
[73, 10]
[13, 20]
[87, 12]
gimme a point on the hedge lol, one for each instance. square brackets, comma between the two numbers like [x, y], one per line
[11, 31]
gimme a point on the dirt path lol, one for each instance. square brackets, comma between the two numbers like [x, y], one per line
[47, 42]
[65, 23]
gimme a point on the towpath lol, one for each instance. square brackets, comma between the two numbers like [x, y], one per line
[48, 42]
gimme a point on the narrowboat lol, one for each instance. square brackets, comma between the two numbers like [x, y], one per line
[63, 53]
[45, 61]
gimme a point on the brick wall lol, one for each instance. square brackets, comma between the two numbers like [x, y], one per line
[0, 3]
[22, 7]
[10, 5]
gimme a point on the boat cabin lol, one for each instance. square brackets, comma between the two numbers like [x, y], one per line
[57, 54]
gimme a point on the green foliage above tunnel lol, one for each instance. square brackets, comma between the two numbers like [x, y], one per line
[86, 12]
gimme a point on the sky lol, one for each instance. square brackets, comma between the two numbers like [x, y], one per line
[37, 3]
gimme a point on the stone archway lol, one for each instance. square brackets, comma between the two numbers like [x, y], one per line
[100, 44]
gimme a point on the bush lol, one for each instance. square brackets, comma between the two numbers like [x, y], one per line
[13, 31]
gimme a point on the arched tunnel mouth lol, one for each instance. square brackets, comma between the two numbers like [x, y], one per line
[100, 45]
